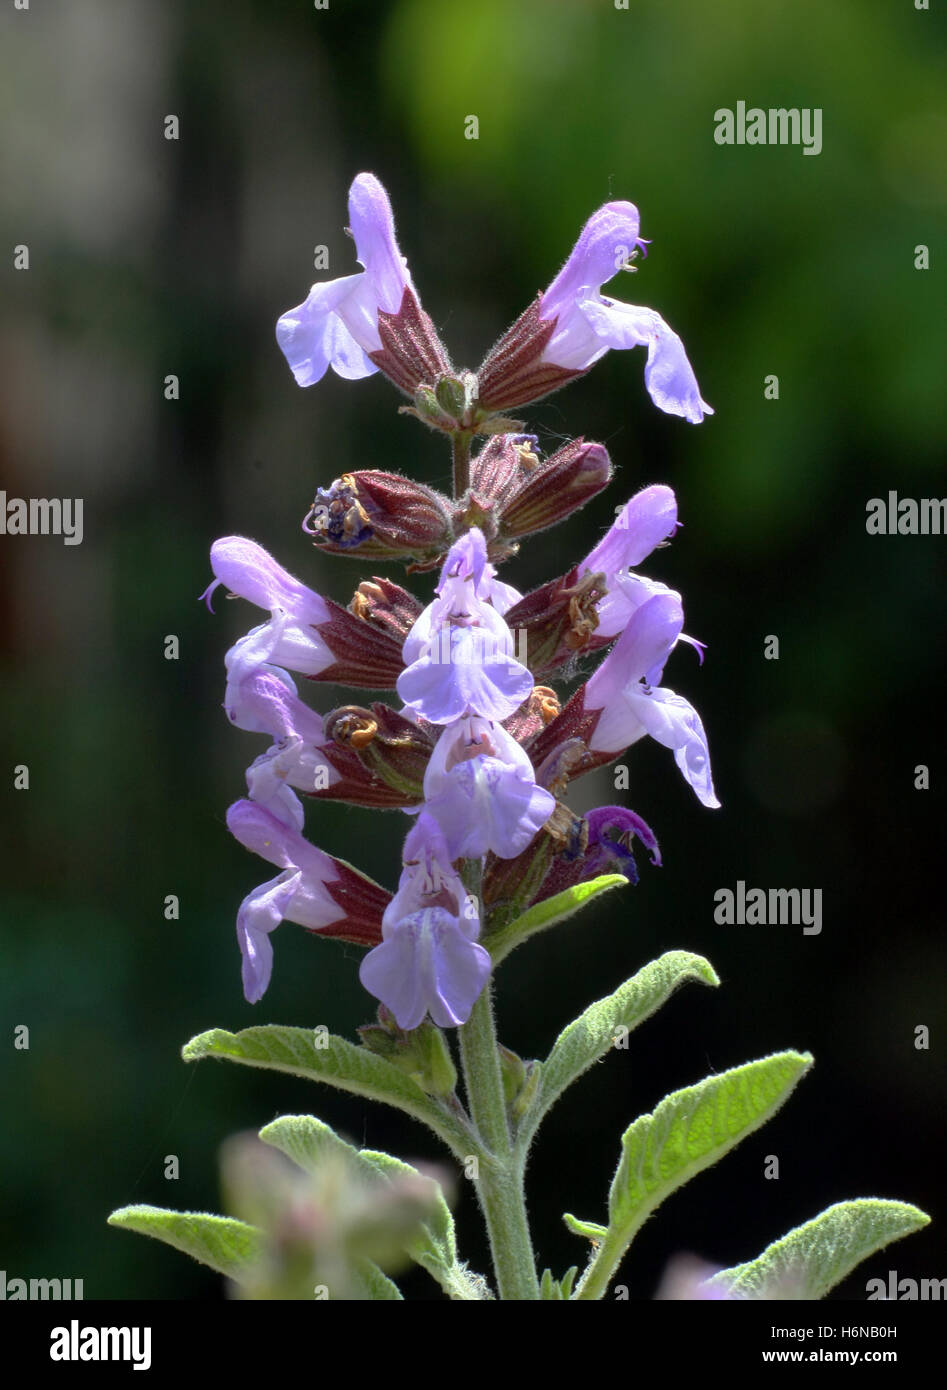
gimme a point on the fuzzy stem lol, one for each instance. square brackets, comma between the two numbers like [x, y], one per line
[460, 447]
[500, 1181]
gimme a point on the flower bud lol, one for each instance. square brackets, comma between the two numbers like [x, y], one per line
[502, 466]
[381, 515]
[548, 492]
[451, 395]
[513, 1072]
[422, 1053]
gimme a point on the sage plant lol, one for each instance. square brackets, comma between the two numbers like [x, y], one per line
[475, 749]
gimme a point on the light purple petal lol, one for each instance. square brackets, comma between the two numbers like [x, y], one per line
[488, 806]
[668, 374]
[390, 972]
[313, 338]
[290, 638]
[267, 703]
[337, 324]
[458, 654]
[372, 224]
[626, 593]
[426, 965]
[673, 721]
[260, 913]
[462, 970]
[466, 559]
[639, 653]
[488, 801]
[649, 518]
[248, 571]
[263, 833]
[476, 679]
[502, 596]
[428, 878]
[281, 642]
[605, 243]
[272, 775]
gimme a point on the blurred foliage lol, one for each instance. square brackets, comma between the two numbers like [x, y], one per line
[150, 256]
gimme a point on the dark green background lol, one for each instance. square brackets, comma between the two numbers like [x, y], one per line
[151, 257]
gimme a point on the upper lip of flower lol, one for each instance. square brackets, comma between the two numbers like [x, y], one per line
[337, 324]
[587, 323]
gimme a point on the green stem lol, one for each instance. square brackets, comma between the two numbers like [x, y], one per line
[600, 1269]
[500, 1180]
[460, 448]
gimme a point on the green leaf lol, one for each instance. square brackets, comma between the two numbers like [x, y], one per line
[375, 1284]
[595, 1031]
[547, 914]
[557, 1290]
[336, 1062]
[589, 1230]
[226, 1245]
[309, 1142]
[690, 1130]
[435, 1248]
[815, 1257]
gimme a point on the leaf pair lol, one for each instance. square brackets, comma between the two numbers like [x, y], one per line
[688, 1132]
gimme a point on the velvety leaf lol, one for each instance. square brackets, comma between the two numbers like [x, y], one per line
[557, 1290]
[435, 1248]
[690, 1130]
[226, 1245]
[375, 1283]
[815, 1257]
[334, 1061]
[589, 1230]
[548, 913]
[596, 1030]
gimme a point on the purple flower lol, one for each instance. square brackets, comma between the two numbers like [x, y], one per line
[587, 323]
[459, 652]
[649, 518]
[611, 834]
[612, 829]
[428, 960]
[631, 704]
[300, 893]
[266, 702]
[481, 789]
[290, 639]
[337, 325]
[642, 524]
